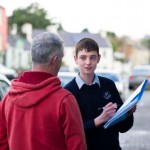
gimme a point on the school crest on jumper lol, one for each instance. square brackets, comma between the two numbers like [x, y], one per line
[106, 95]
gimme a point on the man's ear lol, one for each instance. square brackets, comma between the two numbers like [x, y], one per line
[54, 60]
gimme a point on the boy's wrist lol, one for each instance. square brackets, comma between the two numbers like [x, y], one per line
[98, 121]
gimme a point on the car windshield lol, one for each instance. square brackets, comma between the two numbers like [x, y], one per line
[66, 77]
[109, 76]
[65, 80]
[141, 71]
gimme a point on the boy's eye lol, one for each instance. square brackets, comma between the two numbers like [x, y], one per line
[93, 58]
[83, 58]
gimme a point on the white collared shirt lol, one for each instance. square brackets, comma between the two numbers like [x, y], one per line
[80, 81]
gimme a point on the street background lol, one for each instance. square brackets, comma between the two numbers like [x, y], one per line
[138, 137]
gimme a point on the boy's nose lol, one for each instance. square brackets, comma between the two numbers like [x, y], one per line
[88, 61]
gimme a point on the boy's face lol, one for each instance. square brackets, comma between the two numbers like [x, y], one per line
[87, 61]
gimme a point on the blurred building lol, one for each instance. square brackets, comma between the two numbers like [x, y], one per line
[19, 48]
[134, 52]
[3, 33]
[18, 54]
[70, 40]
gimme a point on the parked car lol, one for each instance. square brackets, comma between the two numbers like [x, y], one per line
[4, 85]
[65, 77]
[8, 72]
[115, 76]
[137, 76]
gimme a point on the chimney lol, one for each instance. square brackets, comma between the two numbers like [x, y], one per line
[103, 34]
[53, 28]
[27, 29]
[14, 29]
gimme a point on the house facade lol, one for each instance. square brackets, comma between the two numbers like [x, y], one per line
[18, 53]
[20, 49]
[3, 32]
[135, 52]
[70, 40]
[140, 55]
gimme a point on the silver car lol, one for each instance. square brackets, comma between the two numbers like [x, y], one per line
[4, 86]
[8, 72]
[137, 76]
[66, 77]
[115, 76]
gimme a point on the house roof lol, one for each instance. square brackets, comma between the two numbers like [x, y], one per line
[37, 31]
[13, 39]
[70, 39]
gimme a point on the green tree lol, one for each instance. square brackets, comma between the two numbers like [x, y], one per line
[34, 15]
[113, 39]
[85, 30]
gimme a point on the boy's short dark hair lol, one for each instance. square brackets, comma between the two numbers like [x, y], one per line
[88, 44]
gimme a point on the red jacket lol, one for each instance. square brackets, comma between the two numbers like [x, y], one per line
[38, 114]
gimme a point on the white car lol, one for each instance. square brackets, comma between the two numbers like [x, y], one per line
[4, 85]
[137, 76]
[8, 72]
[65, 77]
[115, 76]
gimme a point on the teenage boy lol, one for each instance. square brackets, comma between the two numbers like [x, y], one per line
[93, 92]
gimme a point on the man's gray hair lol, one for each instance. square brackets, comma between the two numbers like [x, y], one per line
[44, 46]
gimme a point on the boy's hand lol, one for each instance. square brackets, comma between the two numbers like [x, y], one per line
[131, 111]
[108, 111]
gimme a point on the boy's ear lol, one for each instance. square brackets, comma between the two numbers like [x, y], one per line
[75, 59]
[99, 58]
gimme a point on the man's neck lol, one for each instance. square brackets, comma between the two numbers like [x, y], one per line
[44, 68]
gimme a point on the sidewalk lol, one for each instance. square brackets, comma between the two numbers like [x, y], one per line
[138, 137]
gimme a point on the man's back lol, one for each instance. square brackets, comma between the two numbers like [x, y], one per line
[41, 115]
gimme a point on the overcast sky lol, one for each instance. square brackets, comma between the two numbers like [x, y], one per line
[124, 17]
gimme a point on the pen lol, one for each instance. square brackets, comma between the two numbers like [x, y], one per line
[101, 108]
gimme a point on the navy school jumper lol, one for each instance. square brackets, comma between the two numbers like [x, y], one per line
[89, 99]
